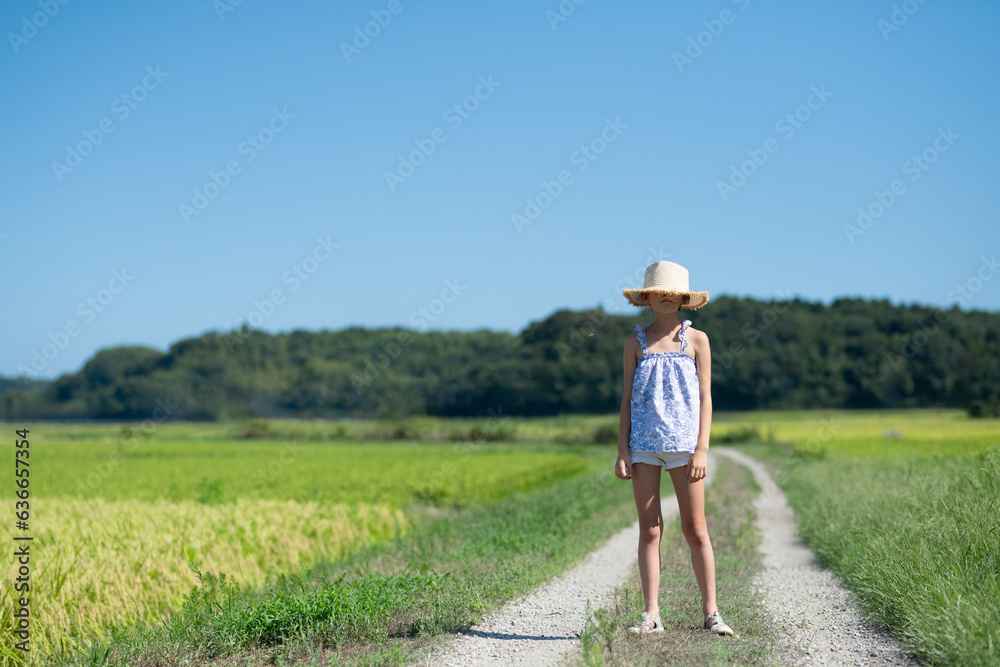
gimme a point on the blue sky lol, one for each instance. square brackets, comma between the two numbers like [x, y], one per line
[191, 166]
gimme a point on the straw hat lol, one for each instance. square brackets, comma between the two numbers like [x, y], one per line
[666, 277]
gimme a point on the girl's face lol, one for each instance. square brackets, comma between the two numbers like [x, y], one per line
[665, 301]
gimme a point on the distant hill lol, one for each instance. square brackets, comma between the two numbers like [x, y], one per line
[854, 353]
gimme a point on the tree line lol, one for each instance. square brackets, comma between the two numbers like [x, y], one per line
[786, 354]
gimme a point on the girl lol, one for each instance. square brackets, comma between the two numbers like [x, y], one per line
[666, 417]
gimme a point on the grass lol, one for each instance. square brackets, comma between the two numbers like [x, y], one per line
[903, 505]
[386, 603]
[327, 556]
[911, 523]
[119, 523]
[730, 515]
[212, 472]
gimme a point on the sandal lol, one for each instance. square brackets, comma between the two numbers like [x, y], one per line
[647, 625]
[715, 623]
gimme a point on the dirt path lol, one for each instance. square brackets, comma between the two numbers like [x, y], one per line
[817, 616]
[543, 628]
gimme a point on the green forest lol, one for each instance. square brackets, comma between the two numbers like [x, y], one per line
[788, 354]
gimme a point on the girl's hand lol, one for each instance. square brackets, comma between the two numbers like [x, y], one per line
[697, 466]
[623, 467]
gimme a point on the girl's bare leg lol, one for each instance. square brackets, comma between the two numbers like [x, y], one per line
[691, 503]
[646, 488]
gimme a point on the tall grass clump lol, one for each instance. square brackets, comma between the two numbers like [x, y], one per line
[918, 539]
[739, 435]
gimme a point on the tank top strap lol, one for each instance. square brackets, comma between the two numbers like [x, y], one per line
[684, 325]
[640, 334]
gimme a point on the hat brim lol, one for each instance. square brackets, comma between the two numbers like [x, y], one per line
[696, 299]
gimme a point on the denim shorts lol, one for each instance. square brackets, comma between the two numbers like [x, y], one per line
[668, 459]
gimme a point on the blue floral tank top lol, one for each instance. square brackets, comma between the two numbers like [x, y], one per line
[665, 399]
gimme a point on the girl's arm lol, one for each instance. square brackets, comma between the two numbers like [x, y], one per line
[698, 465]
[623, 466]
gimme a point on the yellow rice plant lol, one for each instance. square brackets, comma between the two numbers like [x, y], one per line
[95, 562]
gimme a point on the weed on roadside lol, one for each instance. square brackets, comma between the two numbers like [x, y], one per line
[730, 514]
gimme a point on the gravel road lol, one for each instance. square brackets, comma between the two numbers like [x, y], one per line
[543, 627]
[817, 616]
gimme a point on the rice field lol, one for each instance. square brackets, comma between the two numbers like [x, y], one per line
[871, 433]
[103, 562]
[124, 518]
[122, 523]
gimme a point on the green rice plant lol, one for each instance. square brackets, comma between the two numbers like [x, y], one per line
[222, 471]
[128, 511]
[386, 599]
